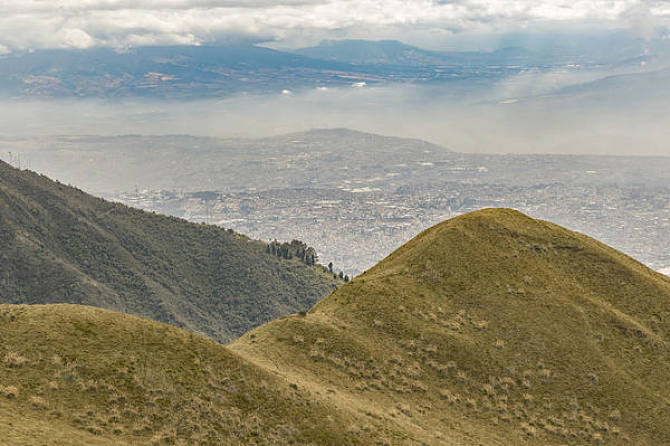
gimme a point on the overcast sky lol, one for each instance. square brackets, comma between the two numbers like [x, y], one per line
[34, 24]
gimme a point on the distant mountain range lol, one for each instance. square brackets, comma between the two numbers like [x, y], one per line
[651, 85]
[490, 328]
[60, 245]
[392, 52]
[320, 158]
[181, 72]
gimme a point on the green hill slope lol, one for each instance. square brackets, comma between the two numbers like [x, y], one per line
[490, 328]
[60, 245]
[75, 375]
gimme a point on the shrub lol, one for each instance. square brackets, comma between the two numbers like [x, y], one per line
[531, 431]
[544, 374]
[461, 376]
[14, 360]
[450, 397]
[615, 415]
[481, 325]
[488, 389]
[405, 409]
[38, 403]
[9, 391]
[316, 355]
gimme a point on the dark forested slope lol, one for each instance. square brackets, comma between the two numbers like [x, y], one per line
[60, 245]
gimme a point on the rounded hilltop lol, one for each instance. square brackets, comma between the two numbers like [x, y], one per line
[522, 330]
[73, 375]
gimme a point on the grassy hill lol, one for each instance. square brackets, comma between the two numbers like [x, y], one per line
[75, 375]
[60, 245]
[491, 328]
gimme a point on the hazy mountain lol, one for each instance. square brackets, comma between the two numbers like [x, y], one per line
[188, 72]
[174, 71]
[322, 158]
[646, 86]
[490, 328]
[393, 52]
[60, 245]
[364, 52]
[181, 162]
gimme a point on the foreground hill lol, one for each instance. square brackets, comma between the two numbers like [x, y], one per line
[60, 245]
[74, 375]
[491, 328]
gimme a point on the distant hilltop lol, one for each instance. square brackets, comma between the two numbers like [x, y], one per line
[359, 140]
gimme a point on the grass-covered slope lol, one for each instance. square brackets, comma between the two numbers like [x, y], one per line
[76, 375]
[490, 328]
[60, 245]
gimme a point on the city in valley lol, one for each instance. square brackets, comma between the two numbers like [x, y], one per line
[355, 196]
[355, 230]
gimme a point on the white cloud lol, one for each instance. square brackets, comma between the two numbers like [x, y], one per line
[642, 21]
[29, 24]
[75, 38]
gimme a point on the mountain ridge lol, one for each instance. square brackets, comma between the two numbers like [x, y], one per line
[393, 52]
